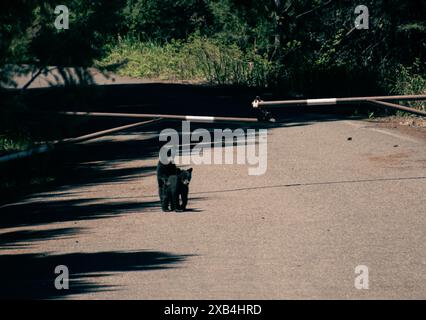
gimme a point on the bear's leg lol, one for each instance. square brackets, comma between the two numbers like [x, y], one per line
[175, 201]
[160, 190]
[170, 196]
[178, 206]
[165, 199]
[184, 199]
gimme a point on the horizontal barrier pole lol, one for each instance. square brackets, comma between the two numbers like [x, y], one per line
[163, 116]
[49, 146]
[398, 107]
[330, 101]
[108, 131]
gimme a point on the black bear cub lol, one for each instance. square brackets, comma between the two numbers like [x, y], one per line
[164, 171]
[176, 191]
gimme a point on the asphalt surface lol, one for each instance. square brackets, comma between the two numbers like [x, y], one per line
[325, 205]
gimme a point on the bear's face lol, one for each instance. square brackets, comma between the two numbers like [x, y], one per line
[185, 176]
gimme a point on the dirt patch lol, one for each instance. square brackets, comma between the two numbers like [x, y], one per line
[391, 159]
[410, 125]
[399, 160]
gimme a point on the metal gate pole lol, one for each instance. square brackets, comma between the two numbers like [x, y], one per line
[162, 116]
[258, 104]
[330, 101]
[398, 107]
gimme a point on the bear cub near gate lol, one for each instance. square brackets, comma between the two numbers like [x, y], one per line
[173, 186]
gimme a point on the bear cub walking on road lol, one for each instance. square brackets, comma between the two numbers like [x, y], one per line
[173, 186]
[177, 190]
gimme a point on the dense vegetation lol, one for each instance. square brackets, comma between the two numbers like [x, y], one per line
[299, 47]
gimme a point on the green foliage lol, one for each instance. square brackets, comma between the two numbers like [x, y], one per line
[227, 64]
[408, 80]
[164, 20]
[151, 60]
[198, 59]
[14, 141]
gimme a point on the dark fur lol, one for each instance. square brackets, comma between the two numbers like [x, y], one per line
[176, 191]
[164, 171]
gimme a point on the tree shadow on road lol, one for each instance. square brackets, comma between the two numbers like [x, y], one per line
[32, 276]
[53, 211]
[96, 162]
[22, 239]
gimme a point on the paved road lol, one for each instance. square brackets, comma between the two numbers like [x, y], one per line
[96, 77]
[325, 205]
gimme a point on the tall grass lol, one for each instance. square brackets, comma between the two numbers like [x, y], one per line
[197, 59]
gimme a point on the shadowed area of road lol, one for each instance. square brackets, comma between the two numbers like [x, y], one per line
[46, 212]
[22, 239]
[32, 276]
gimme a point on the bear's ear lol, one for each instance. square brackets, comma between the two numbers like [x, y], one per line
[190, 170]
